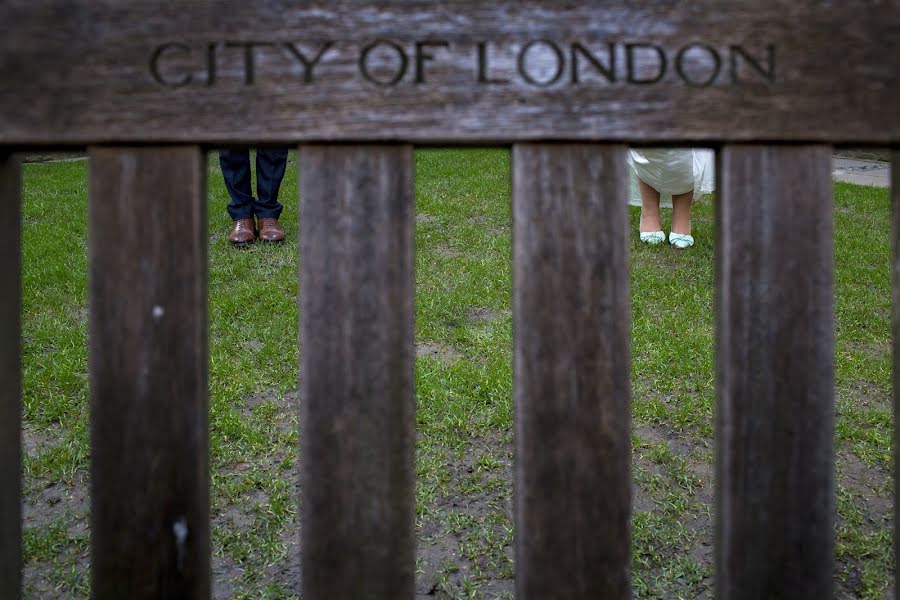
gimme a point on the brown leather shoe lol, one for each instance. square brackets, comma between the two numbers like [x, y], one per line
[270, 230]
[243, 232]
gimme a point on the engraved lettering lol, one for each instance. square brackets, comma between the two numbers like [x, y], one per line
[155, 70]
[560, 63]
[541, 63]
[249, 58]
[401, 70]
[483, 66]
[608, 70]
[768, 72]
[685, 76]
[210, 65]
[631, 64]
[308, 64]
[422, 55]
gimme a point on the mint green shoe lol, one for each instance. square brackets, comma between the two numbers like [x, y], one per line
[653, 237]
[680, 240]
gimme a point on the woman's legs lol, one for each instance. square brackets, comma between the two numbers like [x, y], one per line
[649, 208]
[681, 213]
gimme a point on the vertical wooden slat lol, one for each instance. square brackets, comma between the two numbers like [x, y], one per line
[357, 372]
[571, 372]
[775, 370]
[895, 205]
[10, 382]
[148, 373]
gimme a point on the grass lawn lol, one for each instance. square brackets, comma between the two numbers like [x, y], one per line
[464, 344]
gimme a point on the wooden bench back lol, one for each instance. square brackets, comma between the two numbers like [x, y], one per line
[771, 84]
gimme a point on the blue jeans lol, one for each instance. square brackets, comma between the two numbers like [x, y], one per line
[270, 165]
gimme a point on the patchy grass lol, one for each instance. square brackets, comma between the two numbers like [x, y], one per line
[463, 382]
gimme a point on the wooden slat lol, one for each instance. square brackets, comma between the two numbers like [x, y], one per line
[357, 372]
[10, 382]
[895, 191]
[775, 370]
[87, 71]
[571, 372]
[148, 373]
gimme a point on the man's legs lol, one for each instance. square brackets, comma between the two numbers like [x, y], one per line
[236, 171]
[270, 166]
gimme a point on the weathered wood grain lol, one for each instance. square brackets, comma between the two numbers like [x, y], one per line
[11, 382]
[895, 205]
[775, 374]
[357, 372]
[148, 373]
[571, 372]
[214, 71]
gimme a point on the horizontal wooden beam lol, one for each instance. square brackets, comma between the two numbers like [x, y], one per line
[474, 71]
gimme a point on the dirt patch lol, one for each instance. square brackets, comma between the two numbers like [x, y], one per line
[445, 252]
[693, 449]
[238, 517]
[865, 394]
[246, 518]
[693, 480]
[45, 509]
[475, 314]
[253, 345]
[225, 572]
[424, 218]
[44, 506]
[662, 258]
[485, 223]
[282, 410]
[870, 490]
[441, 352]
[35, 443]
[466, 539]
[872, 487]
[287, 572]
[876, 350]
[80, 314]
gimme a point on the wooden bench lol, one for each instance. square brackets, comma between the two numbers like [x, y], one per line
[147, 86]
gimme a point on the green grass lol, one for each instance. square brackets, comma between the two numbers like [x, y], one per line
[464, 391]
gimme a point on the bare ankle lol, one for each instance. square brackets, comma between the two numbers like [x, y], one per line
[650, 224]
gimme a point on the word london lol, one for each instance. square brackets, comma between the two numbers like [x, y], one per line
[538, 63]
